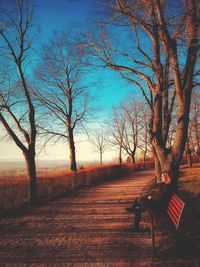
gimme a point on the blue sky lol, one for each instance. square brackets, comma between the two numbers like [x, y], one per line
[64, 15]
[59, 14]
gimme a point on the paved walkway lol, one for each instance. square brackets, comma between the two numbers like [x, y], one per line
[90, 227]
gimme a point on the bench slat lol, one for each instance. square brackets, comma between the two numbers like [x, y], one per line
[176, 203]
[174, 209]
[172, 216]
[178, 199]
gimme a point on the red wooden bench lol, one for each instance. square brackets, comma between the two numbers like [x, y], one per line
[169, 218]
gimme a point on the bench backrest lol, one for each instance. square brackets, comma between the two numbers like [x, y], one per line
[175, 209]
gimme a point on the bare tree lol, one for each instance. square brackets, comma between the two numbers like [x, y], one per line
[192, 147]
[188, 152]
[167, 79]
[144, 136]
[116, 129]
[195, 124]
[64, 95]
[100, 143]
[127, 128]
[17, 112]
[132, 128]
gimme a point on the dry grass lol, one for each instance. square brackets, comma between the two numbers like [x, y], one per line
[189, 181]
[189, 187]
[51, 184]
[55, 183]
[140, 165]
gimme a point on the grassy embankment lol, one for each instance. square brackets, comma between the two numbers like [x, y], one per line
[188, 246]
[55, 183]
[189, 184]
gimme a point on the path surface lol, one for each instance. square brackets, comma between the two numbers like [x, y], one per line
[90, 227]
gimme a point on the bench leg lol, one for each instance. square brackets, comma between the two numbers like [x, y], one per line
[153, 241]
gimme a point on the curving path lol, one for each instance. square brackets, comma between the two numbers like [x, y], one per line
[89, 227]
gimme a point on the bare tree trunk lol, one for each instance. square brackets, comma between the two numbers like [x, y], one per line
[197, 131]
[158, 170]
[144, 159]
[31, 172]
[189, 158]
[120, 155]
[171, 165]
[101, 159]
[188, 154]
[133, 158]
[72, 150]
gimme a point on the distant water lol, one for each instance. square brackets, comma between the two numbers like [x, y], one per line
[20, 165]
[15, 165]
